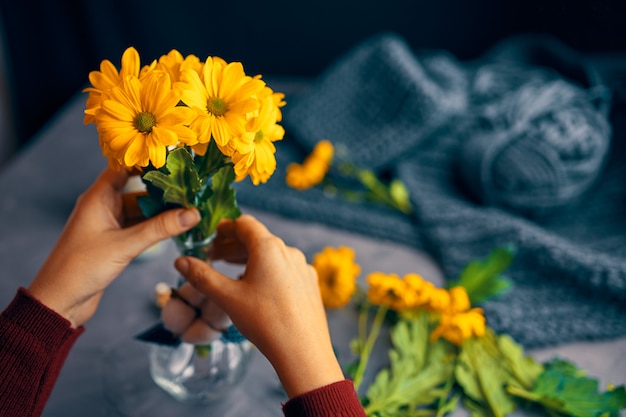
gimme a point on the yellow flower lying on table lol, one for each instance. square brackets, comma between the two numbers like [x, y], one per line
[390, 290]
[314, 168]
[411, 294]
[337, 272]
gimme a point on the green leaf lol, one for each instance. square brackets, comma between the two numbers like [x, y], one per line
[207, 164]
[400, 196]
[369, 180]
[181, 183]
[476, 409]
[565, 389]
[221, 203]
[466, 377]
[524, 368]
[483, 373]
[449, 406]
[150, 206]
[482, 278]
[418, 372]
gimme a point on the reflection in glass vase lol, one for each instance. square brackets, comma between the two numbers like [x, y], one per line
[201, 374]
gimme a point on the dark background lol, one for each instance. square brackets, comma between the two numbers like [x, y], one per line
[51, 45]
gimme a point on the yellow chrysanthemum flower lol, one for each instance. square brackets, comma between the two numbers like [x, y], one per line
[454, 300]
[337, 272]
[254, 150]
[108, 77]
[277, 98]
[174, 63]
[390, 290]
[457, 321]
[141, 120]
[439, 300]
[459, 326]
[314, 168]
[222, 96]
[422, 289]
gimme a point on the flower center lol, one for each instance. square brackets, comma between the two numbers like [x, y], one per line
[216, 106]
[145, 121]
[391, 293]
[258, 137]
[331, 279]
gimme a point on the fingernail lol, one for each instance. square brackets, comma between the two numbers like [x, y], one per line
[182, 265]
[189, 218]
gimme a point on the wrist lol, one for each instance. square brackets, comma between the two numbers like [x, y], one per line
[304, 372]
[52, 299]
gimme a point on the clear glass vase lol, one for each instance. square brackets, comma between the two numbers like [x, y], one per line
[194, 375]
[200, 373]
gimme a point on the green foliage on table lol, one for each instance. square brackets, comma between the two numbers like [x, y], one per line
[418, 377]
[490, 375]
[486, 366]
[563, 389]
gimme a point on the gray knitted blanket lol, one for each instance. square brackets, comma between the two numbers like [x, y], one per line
[525, 146]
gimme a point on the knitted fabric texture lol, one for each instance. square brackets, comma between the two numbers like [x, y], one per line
[377, 101]
[534, 142]
[509, 149]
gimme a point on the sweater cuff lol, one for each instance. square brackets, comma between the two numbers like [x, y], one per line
[48, 326]
[336, 399]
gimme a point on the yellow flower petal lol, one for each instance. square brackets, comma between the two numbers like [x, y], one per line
[135, 152]
[130, 63]
[117, 110]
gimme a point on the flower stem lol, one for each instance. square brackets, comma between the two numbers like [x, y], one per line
[366, 348]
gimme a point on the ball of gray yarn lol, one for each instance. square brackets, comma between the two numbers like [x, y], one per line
[535, 149]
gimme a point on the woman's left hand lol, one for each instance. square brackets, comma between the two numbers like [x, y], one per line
[95, 247]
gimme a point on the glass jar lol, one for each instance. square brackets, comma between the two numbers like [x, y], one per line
[200, 373]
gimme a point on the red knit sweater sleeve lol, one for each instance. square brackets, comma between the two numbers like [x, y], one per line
[34, 343]
[335, 400]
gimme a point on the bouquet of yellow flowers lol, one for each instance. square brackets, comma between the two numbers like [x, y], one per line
[191, 128]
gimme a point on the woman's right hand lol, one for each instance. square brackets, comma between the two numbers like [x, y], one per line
[276, 303]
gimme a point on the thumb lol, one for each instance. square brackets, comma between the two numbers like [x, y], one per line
[163, 226]
[215, 285]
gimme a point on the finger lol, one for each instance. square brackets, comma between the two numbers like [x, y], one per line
[229, 243]
[232, 251]
[296, 255]
[217, 286]
[115, 180]
[227, 246]
[225, 230]
[118, 179]
[155, 229]
[250, 231]
[224, 225]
